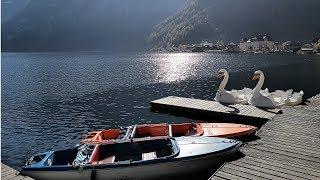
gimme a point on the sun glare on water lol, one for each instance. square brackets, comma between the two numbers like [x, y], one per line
[177, 67]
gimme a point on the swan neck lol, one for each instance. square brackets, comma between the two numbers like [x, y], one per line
[224, 82]
[258, 87]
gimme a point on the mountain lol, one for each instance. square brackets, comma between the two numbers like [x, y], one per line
[81, 25]
[231, 20]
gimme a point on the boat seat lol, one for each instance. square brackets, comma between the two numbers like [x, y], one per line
[149, 156]
[107, 160]
[170, 130]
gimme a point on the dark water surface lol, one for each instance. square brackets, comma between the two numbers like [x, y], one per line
[50, 99]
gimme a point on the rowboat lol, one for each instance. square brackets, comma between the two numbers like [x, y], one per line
[226, 130]
[142, 158]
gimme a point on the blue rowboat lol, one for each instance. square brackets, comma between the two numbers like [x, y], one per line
[132, 159]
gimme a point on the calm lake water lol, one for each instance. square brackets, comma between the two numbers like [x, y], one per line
[50, 99]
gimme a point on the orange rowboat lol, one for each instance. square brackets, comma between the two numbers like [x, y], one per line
[226, 130]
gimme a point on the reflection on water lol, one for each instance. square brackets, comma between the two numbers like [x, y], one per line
[50, 100]
[177, 66]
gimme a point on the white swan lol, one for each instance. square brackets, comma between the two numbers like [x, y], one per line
[265, 99]
[295, 99]
[229, 97]
[273, 99]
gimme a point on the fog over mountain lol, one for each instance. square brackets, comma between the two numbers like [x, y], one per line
[231, 20]
[81, 25]
[9, 8]
[67, 25]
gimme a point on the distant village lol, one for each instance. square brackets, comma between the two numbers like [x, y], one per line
[256, 44]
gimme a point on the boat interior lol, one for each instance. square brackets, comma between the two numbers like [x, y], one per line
[186, 129]
[151, 130]
[36, 158]
[64, 157]
[174, 130]
[128, 152]
[53, 158]
[109, 134]
[146, 130]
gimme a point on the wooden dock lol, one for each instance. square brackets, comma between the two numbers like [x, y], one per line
[218, 112]
[7, 173]
[288, 148]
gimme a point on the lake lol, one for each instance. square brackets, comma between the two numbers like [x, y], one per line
[49, 100]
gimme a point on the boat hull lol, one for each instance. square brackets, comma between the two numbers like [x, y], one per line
[148, 171]
[163, 170]
[59, 175]
[189, 154]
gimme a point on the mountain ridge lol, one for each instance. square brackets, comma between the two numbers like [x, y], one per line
[230, 20]
[81, 25]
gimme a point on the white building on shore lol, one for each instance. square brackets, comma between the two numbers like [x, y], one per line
[260, 43]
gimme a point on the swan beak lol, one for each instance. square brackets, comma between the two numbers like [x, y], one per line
[219, 75]
[255, 77]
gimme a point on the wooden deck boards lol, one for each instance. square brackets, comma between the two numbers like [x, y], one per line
[7, 173]
[288, 148]
[198, 107]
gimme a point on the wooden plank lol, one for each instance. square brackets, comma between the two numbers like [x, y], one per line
[268, 115]
[217, 178]
[256, 153]
[226, 175]
[277, 152]
[298, 131]
[212, 107]
[262, 113]
[287, 148]
[250, 111]
[272, 169]
[289, 135]
[278, 166]
[255, 112]
[5, 170]
[283, 141]
[249, 173]
[291, 147]
[7, 173]
[292, 144]
[216, 107]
